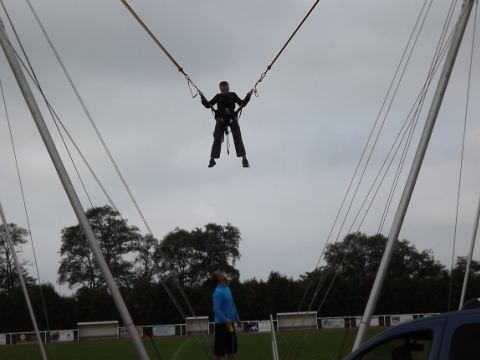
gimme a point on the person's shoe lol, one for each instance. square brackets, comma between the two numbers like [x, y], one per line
[245, 163]
[211, 163]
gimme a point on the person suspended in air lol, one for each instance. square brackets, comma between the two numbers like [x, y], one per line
[226, 116]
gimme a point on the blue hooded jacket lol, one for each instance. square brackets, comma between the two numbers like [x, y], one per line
[223, 305]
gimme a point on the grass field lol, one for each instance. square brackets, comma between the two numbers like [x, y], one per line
[316, 345]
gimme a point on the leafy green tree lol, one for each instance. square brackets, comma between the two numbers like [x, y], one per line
[146, 260]
[177, 255]
[116, 239]
[191, 256]
[217, 249]
[8, 273]
[358, 257]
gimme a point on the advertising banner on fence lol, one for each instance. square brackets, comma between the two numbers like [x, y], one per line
[264, 326]
[333, 323]
[163, 330]
[399, 319]
[3, 339]
[62, 336]
[24, 338]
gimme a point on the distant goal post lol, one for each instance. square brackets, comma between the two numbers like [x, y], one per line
[197, 325]
[297, 321]
[98, 330]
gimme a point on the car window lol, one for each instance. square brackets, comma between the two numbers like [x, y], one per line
[410, 346]
[465, 342]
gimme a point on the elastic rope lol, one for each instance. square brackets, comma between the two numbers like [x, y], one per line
[157, 41]
[269, 67]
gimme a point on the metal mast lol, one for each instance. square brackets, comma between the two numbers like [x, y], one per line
[19, 269]
[70, 190]
[415, 169]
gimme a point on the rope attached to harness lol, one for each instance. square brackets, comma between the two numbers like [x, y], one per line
[269, 67]
[194, 90]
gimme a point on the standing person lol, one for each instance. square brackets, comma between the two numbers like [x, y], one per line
[225, 316]
[226, 116]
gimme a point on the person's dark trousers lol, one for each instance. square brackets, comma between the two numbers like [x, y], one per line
[218, 134]
[237, 138]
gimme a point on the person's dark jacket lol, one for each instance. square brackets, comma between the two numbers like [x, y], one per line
[225, 104]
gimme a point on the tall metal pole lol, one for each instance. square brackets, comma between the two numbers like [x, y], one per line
[70, 190]
[469, 259]
[275, 354]
[19, 268]
[415, 169]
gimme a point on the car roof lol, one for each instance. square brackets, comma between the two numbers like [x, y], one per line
[414, 325]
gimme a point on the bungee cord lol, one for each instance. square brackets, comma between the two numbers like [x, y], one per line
[269, 67]
[194, 90]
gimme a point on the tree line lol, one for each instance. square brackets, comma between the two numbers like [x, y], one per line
[184, 260]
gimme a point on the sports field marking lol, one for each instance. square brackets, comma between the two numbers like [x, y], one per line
[180, 348]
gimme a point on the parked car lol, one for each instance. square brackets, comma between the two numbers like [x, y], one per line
[449, 336]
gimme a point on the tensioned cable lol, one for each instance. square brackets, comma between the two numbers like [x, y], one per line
[415, 118]
[27, 217]
[402, 158]
[394, 185]
[392, 90]
[436, 64]
[162, 282]
[33, 77]
[462, 153]
[409, 139]
[435, 56]
[90, 118]
[55, 115]
[58, 121]
[402, 73]
[337, 268]
[372, 131]
[36, 80]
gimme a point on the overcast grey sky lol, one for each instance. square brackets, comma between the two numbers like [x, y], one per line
[304, 134]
